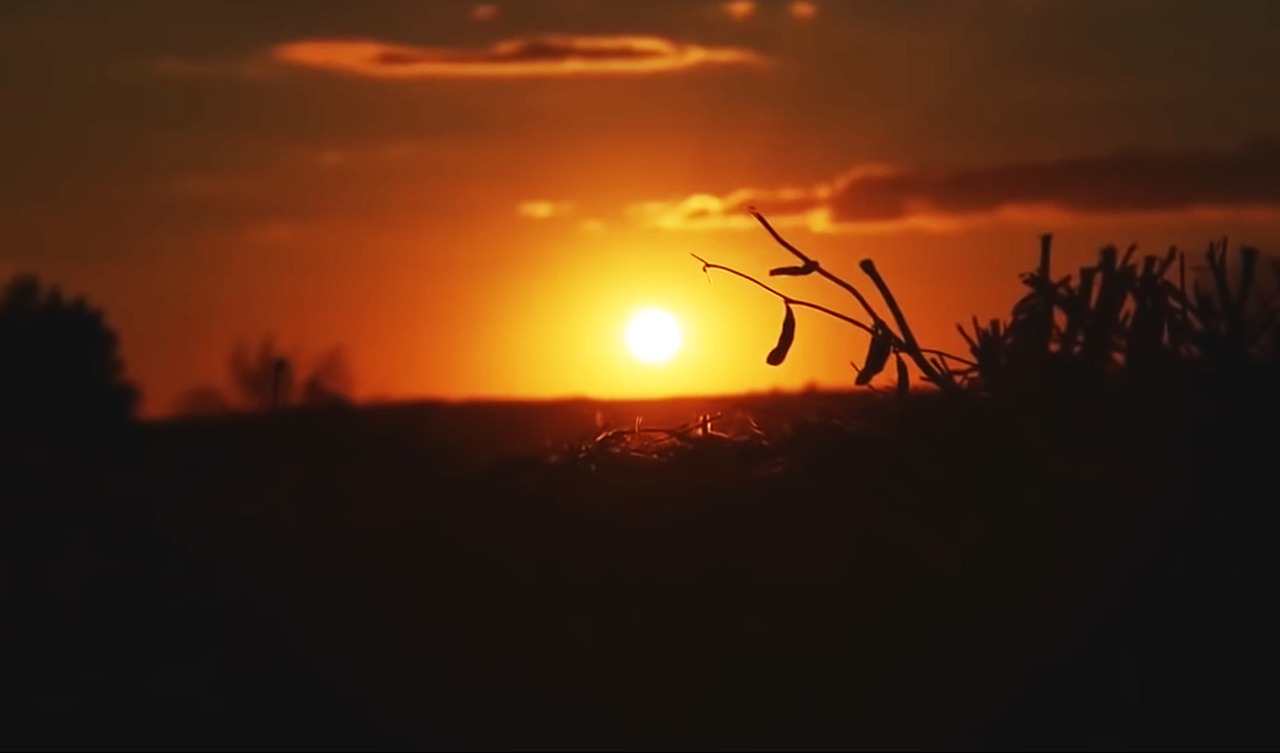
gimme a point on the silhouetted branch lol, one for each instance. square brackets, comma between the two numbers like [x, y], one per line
[706, 265]
[945, 354]
[270, 379]
[911, 347]
[809, 262]
[879, 329]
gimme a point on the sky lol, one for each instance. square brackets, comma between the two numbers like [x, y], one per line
[470, 199]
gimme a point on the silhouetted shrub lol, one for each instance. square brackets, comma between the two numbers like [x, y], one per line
[60, 366]
[330, 380]
[1120, 326]
[265, 378]
[269, 378]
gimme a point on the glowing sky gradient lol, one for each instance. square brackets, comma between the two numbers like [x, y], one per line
[472, 198]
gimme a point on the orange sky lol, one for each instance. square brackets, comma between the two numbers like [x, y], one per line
[470, 198]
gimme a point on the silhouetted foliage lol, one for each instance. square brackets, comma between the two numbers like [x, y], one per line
[330, 380]
[1118, 325]
[60, 365]
[1121, 325]
[114, 634]
[267, 378]
[885, 339]
[264, 378]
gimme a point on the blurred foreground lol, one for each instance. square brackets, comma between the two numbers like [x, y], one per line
[838, 571]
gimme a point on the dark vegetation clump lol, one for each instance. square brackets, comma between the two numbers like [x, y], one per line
[1060, 539]
[1117, 326]
[60, 366]
[115, 634]
[268, 378]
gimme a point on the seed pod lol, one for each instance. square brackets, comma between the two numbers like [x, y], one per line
[903, 384]
[785, 338]
[877, 357]
[809, 267]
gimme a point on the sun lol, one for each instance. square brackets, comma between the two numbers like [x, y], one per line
[653, 336]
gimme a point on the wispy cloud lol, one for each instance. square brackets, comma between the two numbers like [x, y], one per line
[556, 55]
[484, 12]
[544, 210]
[872, 198]
[803, 9]
[739, 10]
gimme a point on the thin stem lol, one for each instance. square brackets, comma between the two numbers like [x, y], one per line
[912, 347]
[862, 301]
[904, 340]
[945, 354]
[706, 265]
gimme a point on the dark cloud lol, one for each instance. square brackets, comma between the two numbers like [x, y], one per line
[1137, 181]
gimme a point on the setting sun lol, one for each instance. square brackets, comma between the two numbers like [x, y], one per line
[653, 336]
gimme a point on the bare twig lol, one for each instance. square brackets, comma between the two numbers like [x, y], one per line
[945, 354]
[912, 348]
[706, 265]
[862, 301]
[904, 342]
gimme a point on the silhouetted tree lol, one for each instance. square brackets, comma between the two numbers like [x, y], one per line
[60, 366]
[330, 380]
[65, 408]
[265, 377]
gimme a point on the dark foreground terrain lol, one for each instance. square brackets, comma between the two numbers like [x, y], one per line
[849, 573]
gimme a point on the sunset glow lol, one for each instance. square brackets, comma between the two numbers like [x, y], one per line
[653, 336]
[434, 187]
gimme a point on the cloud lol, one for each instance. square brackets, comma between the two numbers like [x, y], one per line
[803, 9]
[703, 211]
[872, 198]
[555, 55]
[739, 10]
[544, 210]
[484, 12]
